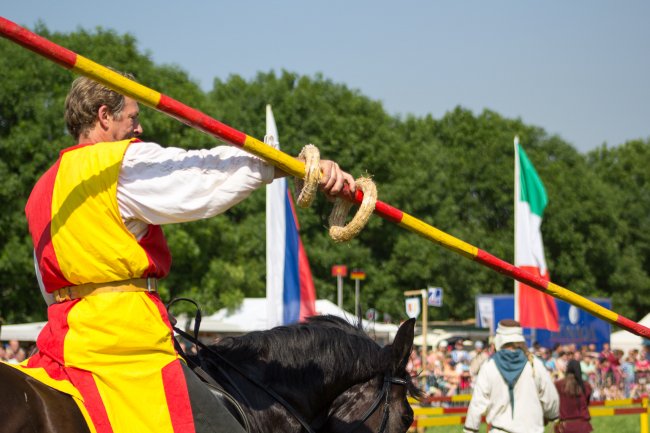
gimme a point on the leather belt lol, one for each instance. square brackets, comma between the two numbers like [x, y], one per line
[133, 285]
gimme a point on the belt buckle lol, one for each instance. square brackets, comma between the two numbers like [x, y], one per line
[63, 294]
[152, 284]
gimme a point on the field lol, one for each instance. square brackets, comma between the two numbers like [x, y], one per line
[601, 424]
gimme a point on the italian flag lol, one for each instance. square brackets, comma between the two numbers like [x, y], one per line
[533, 308]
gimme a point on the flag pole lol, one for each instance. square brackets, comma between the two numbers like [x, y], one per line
[198, 120]
[516, 195]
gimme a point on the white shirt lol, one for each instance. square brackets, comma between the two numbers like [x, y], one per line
[164, 185]
[535, 399]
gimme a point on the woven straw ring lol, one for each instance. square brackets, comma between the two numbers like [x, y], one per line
[342, 233]
[306, 188]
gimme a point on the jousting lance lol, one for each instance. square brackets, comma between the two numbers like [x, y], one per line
[290, 165]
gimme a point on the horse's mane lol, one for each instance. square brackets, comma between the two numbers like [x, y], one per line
[324, 348]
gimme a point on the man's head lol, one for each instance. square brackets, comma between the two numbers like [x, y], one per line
[93, 113]
[510, 333]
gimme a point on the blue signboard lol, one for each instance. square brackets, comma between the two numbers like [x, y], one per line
[576, 326]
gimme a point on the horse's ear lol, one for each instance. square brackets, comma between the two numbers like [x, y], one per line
[403, 344]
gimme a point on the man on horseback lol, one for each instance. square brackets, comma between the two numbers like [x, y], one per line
[95, 218]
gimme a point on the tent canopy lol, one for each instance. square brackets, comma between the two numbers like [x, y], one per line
[251, 316]
[625, 340]
[433, 338]
[21, 331]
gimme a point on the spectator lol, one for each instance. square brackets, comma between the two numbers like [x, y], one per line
[464, 377]
[550, 362]
[574, 401]
[642, 367]
[480, 356]
[451, 378]
[459, 353]
[628, 373]
[560, 364]
[414, 365]
[588, 367]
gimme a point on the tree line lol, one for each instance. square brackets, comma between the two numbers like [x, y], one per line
[455, 173]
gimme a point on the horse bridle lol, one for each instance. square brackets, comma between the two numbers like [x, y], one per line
[384, 394]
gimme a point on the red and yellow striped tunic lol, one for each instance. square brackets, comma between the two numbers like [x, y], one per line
[112, 352]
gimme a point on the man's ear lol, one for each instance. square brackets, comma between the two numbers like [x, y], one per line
[103, 116]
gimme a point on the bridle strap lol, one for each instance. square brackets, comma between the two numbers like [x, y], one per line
[383, 394]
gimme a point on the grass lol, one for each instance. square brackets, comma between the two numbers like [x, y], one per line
[601, 424]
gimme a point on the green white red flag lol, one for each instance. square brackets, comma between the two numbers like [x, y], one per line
[533, 308]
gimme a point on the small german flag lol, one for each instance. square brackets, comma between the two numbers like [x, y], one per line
[357, 274]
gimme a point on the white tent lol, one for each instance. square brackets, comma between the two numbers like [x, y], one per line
[625, 340]
[251, 316]
[21, 331]
[433, 338]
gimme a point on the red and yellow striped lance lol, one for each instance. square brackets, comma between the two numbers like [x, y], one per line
[207, 124]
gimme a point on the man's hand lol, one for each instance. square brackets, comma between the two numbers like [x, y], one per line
[333, 179]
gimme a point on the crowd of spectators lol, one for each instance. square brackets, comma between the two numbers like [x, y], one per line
[451, 368]
[12, 352]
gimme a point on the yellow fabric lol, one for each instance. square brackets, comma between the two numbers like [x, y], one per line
[88, 235]
[112, 347]
[128, 378]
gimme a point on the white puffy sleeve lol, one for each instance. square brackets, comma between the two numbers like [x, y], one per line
[159, 185]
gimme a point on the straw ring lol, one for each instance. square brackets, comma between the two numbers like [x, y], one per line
[306, 188]
[340, 232]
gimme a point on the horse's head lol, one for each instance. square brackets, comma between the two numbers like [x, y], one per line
[379, 405]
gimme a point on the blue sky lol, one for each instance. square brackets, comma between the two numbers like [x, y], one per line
[579, 69]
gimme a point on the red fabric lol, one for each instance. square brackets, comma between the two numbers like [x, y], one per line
[155, 245]
[178, 399]
[574, 410]
[50, 357]
[306, 280]
[85, 383]
[51, 339]
[536, 308]
[307, 289]
[39, 216]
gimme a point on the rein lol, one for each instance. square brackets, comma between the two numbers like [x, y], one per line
[383, 395]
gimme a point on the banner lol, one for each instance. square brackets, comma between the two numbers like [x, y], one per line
[575, 325]
[413, 307]
[290, 292]
[434, 296]
[533, 308]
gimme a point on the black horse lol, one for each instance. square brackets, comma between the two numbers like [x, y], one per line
[321, 376]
